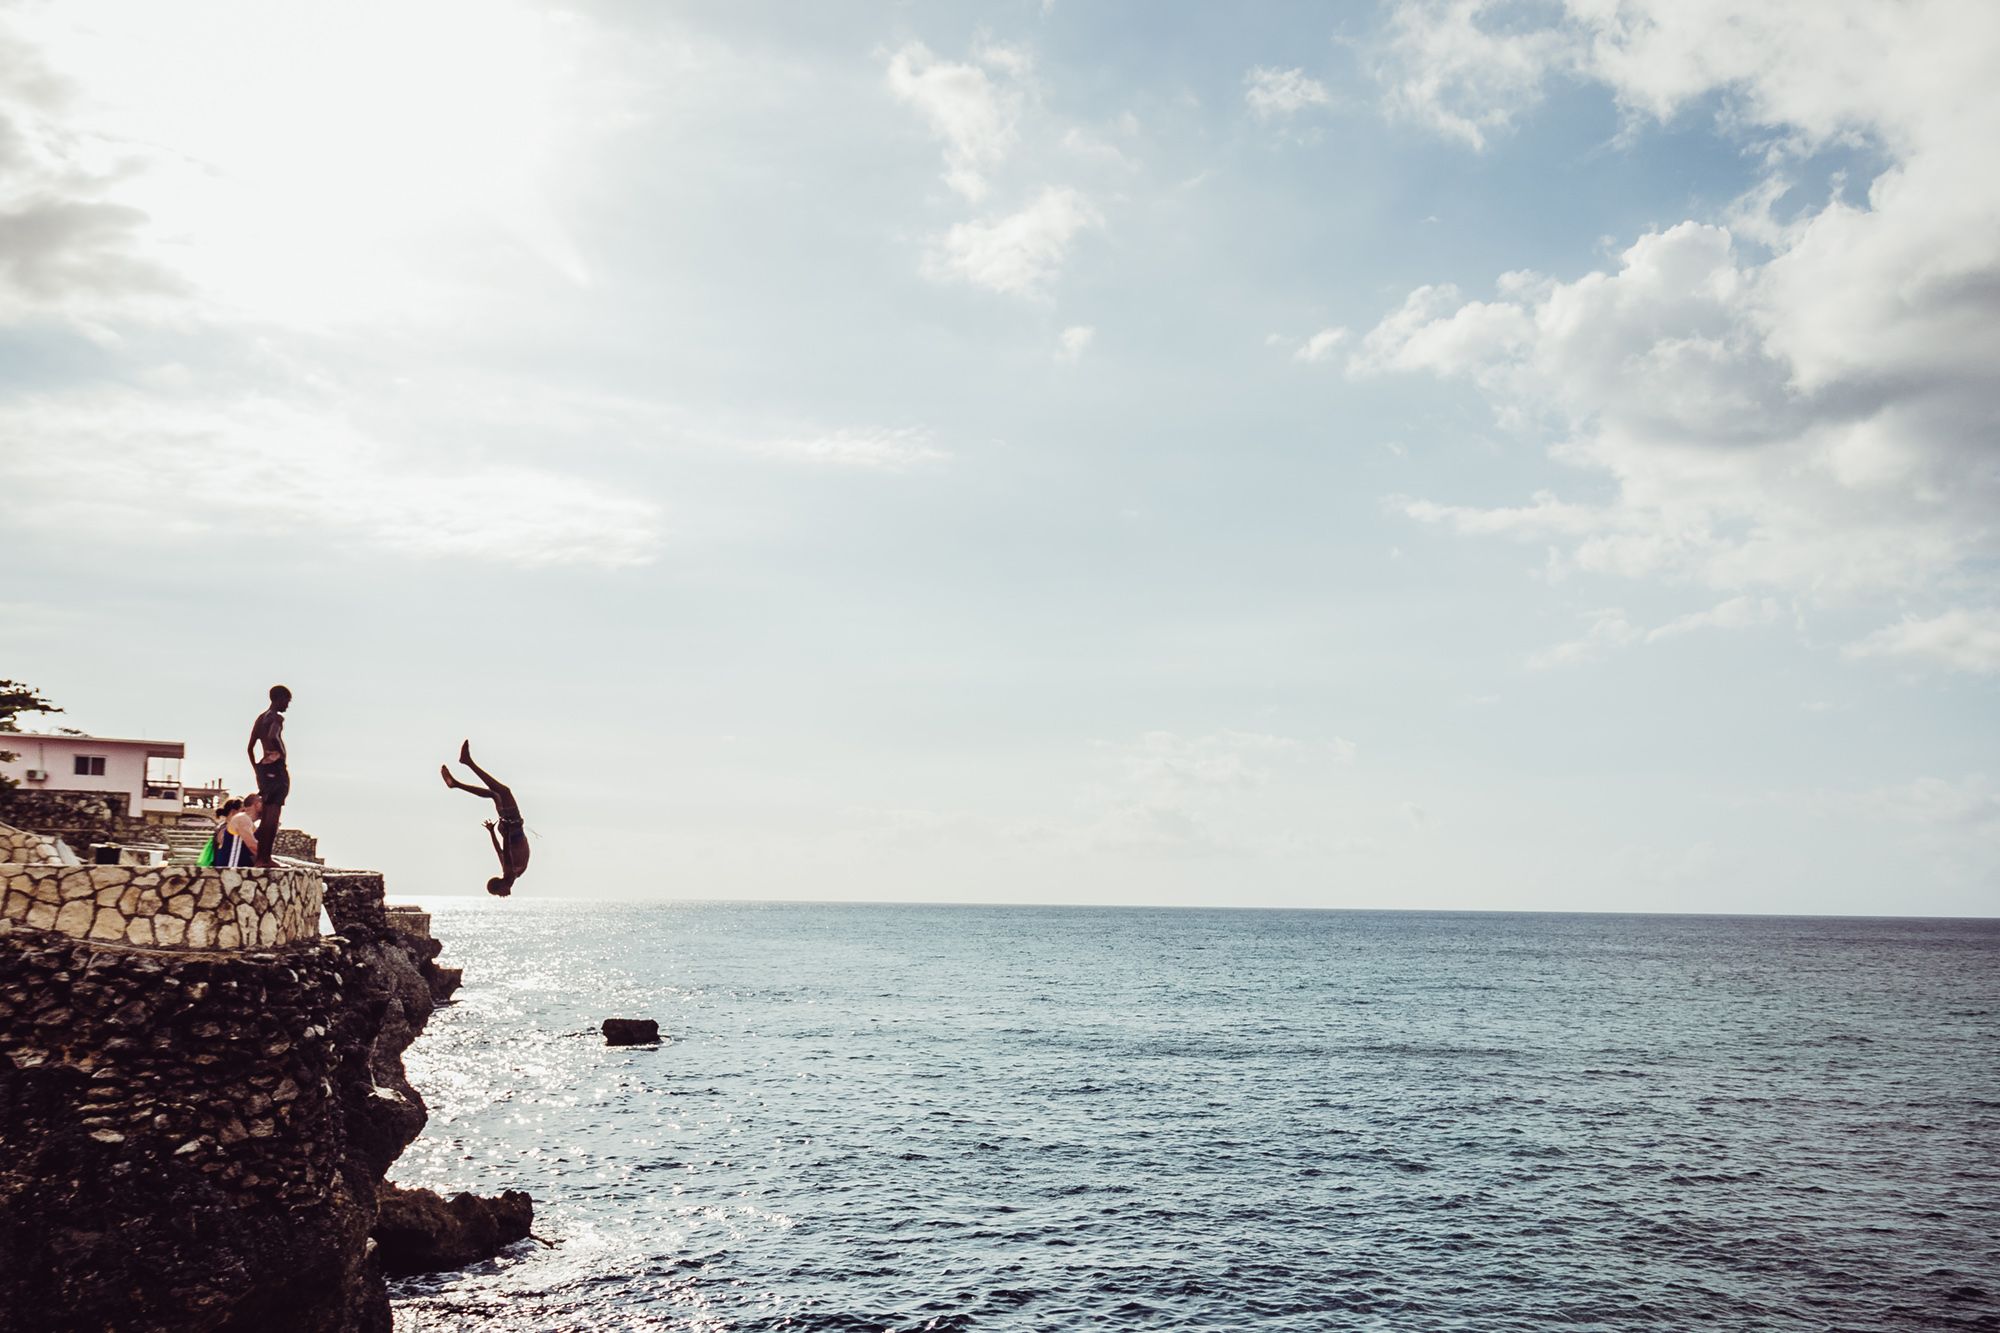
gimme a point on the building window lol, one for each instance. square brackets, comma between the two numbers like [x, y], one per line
[90, 765]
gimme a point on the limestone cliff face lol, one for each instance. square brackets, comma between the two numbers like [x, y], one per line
[197, 1140]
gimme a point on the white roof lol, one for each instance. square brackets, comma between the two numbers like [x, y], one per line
[158, 749]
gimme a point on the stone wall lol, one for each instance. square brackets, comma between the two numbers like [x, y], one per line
[177, 1153]
[18, 846]
[197, 1140]
[299, 846]
[163, 907]
[79, 818]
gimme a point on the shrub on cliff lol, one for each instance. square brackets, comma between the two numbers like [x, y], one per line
[16, 699]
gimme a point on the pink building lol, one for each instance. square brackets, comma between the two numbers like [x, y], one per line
[147, 772]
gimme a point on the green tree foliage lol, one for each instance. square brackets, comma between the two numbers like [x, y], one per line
[16, 699]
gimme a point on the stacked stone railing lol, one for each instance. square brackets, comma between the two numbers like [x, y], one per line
[155, 907]
[20, 847]
[164, 907]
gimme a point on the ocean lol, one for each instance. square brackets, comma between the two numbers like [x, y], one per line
[876, 1117]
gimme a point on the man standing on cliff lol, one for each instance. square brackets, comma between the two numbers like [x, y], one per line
[274, 780]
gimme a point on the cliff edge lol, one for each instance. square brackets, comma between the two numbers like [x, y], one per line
[197, 1138]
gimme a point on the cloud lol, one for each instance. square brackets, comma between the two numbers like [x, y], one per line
[1198, 795]
[1073, 341]
[1955, 823]
[126, 467]
[1163, 762]
[869, 450]
[1610, 631]
[1442, 67]
[973, 115]
[1271, 92]
[1020, 254]
[68, 245]
[1321, 345]
[1960, 639]
[1790, 404]
[1736, 613]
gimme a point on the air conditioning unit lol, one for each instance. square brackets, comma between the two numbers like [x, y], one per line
[38, 775]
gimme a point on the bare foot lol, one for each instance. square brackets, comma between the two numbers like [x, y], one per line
[465, 753]
[444, 771]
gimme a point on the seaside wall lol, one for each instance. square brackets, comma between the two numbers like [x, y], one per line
[163, 907]
[175, 1155]
[194, 1136]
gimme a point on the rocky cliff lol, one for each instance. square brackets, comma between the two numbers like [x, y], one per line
[197, 1140]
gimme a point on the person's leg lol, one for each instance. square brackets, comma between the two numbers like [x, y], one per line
[494, 784]
[456, 785]
[267, 831]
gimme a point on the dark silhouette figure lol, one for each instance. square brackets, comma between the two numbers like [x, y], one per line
[274, 779]
[509, 836]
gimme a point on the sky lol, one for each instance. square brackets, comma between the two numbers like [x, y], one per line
[1431, 454]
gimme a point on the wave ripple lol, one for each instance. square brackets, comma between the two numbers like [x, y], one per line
[934, 1118]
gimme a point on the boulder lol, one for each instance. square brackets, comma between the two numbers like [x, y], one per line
[444, 982]
[418, 1231]
[631, 1032]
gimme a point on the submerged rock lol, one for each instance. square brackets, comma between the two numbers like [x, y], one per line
[631, 1032]
[417, 1231]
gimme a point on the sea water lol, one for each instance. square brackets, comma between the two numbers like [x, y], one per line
[918, 1117]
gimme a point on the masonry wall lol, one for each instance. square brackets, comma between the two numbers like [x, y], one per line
[175, 1147]
[163, 907]
[79, 818]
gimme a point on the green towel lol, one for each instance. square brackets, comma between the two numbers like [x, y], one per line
[208, 854]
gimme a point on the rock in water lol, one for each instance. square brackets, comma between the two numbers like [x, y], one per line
[631, 1032]
[417, 1231]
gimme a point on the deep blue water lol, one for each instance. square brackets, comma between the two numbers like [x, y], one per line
[893, 1117]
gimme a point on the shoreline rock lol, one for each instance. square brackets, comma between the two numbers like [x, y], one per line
[419, 1231]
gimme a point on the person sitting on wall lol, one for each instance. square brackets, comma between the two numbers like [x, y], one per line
[274, 779]
[236, 842]
[213, 851]
[510, 836]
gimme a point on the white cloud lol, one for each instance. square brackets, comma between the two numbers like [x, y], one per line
[870, 450]
[1019, 254]
[1073, 341]
[68, 243]
[974, 115]
[1282, 92]
[1791, 404]
[1199, 795]
[1953, 822]
[1610, 631]
[1444, 68]
[1959, 639]
[1321, 345]
[132, 468]
[1163, 762]
[1736, 613]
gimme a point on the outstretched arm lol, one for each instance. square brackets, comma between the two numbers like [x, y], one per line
[498, 850]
